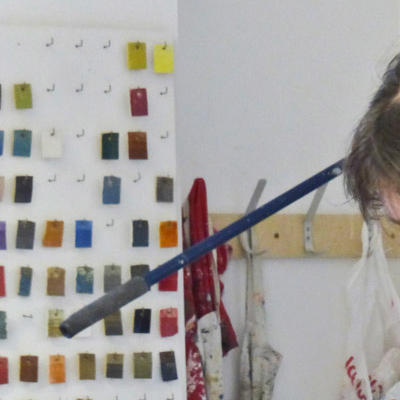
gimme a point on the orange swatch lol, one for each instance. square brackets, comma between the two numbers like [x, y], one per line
[57, 369]
[53, 236]
[168, 234]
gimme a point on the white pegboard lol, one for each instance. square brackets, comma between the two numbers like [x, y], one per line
[26, 58]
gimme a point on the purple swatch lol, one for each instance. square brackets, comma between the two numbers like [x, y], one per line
[3, 245]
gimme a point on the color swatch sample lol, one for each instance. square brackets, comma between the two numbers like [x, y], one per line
[110, 146]
[137, 145]
[2, 281]
[163, 55]
[23, 189]
[25, 235]
[28, 368]
[3, 325]
[22, 143]
[25, 281]
[113, 324]
[3, 370]
[168, 322]
[142, 320]
[168, 234]
[84, 280]
[53, 236]
[83, 233]
[142, 365]
[55, 281]
[3, 239]
[114, 365]
[168, 366]
[23, 96]
[165, 189]
[112, 277]
[140, 233]
[56, 368]
[55, 318]
[139, 105]
[136, 55]
[87, 366]
[1, 142]
[169, 283]
[111, 190]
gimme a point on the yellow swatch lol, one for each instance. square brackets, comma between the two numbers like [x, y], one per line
[163, 58]
[137, 55]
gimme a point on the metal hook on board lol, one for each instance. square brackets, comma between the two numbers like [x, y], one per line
[110, 223]
[166, 136]
[52, 89]
[53, 132]
[247, 238]
[308, 221]
[50, 43]
[82, 179]
[80, 89]
[80, 44]
[79, 135]
[108, 45]
[108, 90]
[164, 92]
[165, 46]
[53, 179]
[139, 177]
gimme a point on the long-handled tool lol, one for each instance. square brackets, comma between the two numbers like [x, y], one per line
[138, 286]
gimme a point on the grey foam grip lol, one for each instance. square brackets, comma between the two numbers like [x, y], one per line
[104, 306]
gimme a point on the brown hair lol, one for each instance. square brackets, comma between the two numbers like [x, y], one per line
[373, 160]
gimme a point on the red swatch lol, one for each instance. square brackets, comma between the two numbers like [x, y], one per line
[169, 284]
[2, 282]
[3, 370]
[168, 322]
[138, 102]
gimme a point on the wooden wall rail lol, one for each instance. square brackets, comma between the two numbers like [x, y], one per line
[335, 236]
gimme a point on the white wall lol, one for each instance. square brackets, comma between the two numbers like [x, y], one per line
[274, 89]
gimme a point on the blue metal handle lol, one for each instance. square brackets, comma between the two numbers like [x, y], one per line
[242, 224]
[138, 286]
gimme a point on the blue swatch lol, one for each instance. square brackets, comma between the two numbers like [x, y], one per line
[22, 143]
[25, 281]
[111, 190]
[84, 280]
[1, 142]
[140, 233]
[142, 321]
[3, 243]
[83, 233]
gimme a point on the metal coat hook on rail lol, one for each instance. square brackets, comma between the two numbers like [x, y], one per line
[52, 89]
[108, 90]
[247, 238]
[309, 219]
[53, 132]
[108, 45]
[109, 224]
[80, 44]
[164, 92]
